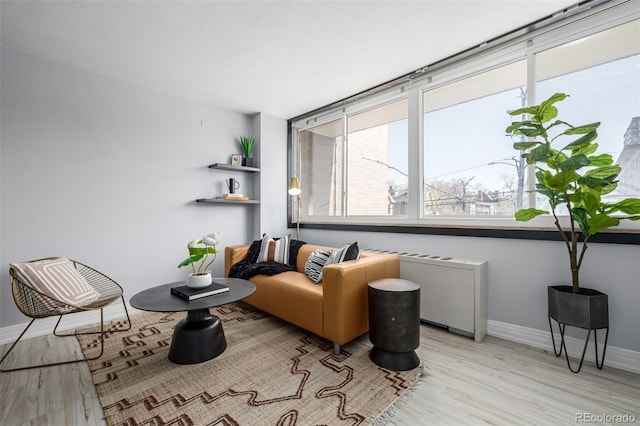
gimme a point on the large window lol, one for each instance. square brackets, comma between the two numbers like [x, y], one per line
[356, 165]
[469, 167]
[604, 87]
[433, 152]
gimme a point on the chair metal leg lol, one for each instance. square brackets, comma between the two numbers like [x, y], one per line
[56, 333]
[101, 332]
[14, 345]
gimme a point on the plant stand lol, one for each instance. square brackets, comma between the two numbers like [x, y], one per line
[563, 346]
[588, 310]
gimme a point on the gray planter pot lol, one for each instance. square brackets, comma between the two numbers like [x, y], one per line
[588, 309]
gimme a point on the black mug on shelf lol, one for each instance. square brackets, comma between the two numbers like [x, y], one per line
[233, 185]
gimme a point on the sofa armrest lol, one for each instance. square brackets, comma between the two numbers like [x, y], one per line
[233, 255]
[345, 294]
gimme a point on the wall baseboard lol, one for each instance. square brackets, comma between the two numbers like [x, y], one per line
[621, 358]
[44, 326]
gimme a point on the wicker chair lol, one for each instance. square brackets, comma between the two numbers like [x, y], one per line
[37, 305]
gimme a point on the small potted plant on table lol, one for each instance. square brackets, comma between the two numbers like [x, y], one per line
[203, 251]
[574, 178]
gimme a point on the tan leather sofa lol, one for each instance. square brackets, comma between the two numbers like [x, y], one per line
[336, 308]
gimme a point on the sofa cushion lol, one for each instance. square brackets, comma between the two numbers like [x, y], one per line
[294, 298]
[274, 249]
[315, 263]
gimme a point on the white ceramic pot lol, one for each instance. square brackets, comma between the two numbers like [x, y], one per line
[199, 281]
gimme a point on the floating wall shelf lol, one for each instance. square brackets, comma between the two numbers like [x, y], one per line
[223, 201]
[232, 168]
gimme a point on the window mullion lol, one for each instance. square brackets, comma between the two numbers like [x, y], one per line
[415, 191]
[345, 163]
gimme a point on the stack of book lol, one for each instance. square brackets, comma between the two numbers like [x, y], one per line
[235, 197]
[188, 293]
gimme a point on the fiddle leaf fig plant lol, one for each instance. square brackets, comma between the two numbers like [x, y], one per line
[574, 177]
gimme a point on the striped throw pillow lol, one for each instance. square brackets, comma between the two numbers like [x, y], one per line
[274, 249]
[314, 265]
[58, 279]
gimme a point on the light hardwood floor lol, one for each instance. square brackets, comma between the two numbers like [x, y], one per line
[466, 383]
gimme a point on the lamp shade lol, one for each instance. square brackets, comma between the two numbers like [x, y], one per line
[294, 186]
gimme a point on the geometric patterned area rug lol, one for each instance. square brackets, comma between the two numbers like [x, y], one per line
[272, 373]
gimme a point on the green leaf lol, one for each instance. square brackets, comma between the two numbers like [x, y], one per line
[190, 260]
[555, 158]
[581, 130]
[581, 142]
[560, 181]
[526, 215]
[586, 150]
[526, 110]
[521, 146]
[587, 199]
[581, 217]
[592, 182]
[531, 131]
[540, 153]
[546, 110]
[574, 162]
[608, 189]
[627, 206]
[556, 97]
[601, 160]
[604, 172]
[196, 250]
[602, 221]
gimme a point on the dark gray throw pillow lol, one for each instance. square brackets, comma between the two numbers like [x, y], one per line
[348, 252]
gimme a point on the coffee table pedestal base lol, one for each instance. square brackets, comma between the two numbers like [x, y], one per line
[197, 338]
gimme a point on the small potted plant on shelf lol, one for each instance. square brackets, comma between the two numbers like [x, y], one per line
[246, 145]
[205, 252]
[574, 179]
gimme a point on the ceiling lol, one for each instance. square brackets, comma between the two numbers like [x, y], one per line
[282, 58]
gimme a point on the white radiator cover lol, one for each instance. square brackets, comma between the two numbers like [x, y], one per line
[453, 291]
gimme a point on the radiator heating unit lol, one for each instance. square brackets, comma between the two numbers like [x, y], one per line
[453, 291]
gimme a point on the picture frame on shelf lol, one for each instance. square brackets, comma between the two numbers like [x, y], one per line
[236, 159]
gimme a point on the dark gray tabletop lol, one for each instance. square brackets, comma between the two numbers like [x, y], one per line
[159, 299]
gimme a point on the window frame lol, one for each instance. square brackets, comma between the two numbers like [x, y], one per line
[574, 27]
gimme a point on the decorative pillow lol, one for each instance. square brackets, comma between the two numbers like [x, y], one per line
[56, 278]
[317, 260]
[348, 252]
[274, 249]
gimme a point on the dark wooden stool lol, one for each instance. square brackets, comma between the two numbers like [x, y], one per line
[394, 323]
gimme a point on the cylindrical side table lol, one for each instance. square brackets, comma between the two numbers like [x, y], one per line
[394, 323]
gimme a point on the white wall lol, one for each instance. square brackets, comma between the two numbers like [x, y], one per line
[107, 173]
[271, 134]
[520, 270]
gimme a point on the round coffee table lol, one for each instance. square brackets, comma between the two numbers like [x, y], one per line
[199, 337]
